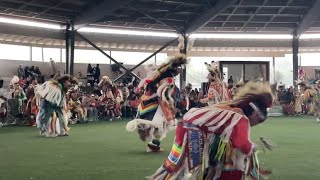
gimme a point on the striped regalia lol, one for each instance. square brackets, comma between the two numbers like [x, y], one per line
[214, 142]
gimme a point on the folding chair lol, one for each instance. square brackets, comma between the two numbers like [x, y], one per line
[101, 112]
[15, 113]
[3, 106]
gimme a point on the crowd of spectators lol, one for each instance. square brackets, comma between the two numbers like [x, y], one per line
[86, 103]
[120, 100]
[297, 101]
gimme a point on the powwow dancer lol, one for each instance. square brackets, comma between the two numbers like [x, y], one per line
[52, 119]
[105, 83]
[308, 95]
[33, 102]
[298, 103]
[214, 142]
[316, 102]
[217, 90]
[156, 111]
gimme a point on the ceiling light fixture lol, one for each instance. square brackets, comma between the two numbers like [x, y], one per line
[240, 36]
[29, 23]
[310, 36]
[25, 22]
[127, 32]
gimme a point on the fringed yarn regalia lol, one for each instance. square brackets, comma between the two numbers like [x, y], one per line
[156, 111]
[214, 142]
[309, 95]
[52, 119]
[316, 102]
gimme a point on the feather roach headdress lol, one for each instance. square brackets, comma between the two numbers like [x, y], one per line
[168, 69]
[105, 80]
[14, 80]
[256, 92]
[67, 77]
[214, 73]
[173, 64]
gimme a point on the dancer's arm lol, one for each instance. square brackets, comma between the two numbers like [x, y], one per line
[240, 136]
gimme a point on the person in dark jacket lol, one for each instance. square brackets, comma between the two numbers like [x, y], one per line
[96, 72]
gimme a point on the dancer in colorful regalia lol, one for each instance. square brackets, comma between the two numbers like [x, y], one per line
[214, 142]
[156, 111]
[52, 119]
[316, 102]
[217, 90]
[105, 83]
[33, 102]
[309, 93]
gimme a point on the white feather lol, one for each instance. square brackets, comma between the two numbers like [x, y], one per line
[133, 125]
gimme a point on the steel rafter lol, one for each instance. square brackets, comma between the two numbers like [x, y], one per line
[31, 3]
[107, 55]
[48, 9]
[155, 18]
[274, 16]
[97, 12]
[209, 14]
[21, 7]
[308, 20]
[256, 12]
[229, 16]
[148, 58]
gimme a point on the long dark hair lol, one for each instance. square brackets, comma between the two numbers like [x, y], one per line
[89, 69]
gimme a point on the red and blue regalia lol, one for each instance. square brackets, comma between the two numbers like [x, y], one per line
[214, 142]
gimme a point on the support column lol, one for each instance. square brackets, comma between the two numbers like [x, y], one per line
[274, 69]
[42, 55]
[69, 49]
[295, 57]
[61, 55]
[30, 53]
[183, 74]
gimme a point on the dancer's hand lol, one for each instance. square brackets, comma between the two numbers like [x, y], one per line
[254, 147]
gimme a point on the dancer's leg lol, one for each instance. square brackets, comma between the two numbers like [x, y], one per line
[44, 116]
[154, 145]
[95, 113]
[62, 121]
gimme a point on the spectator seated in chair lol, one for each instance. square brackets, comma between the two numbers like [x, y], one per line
[18, 92]
[75, 107]
[90, 103]
[32, 106]
[134, 103]
[3, 111]
[109, 106]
